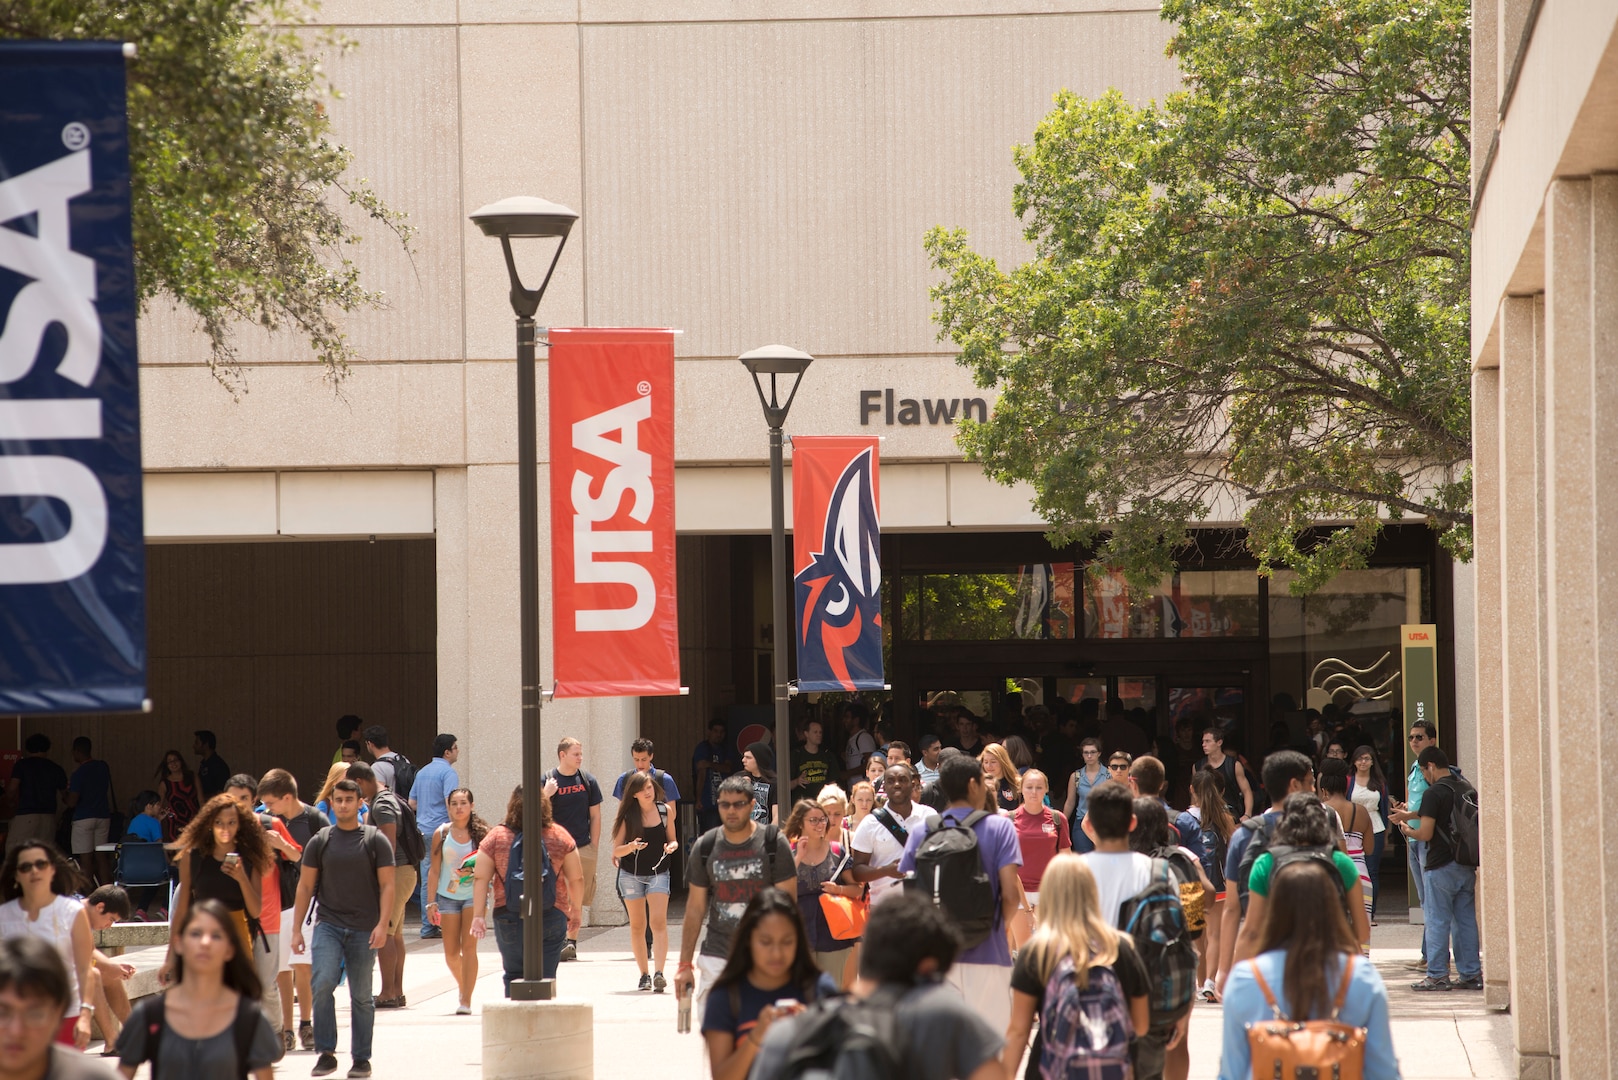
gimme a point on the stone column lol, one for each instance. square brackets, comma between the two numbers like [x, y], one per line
[1571, 627]
[1494, 883]
[1527, 852]
[1604, 459]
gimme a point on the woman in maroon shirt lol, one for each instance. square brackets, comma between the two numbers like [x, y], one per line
[1041, 835]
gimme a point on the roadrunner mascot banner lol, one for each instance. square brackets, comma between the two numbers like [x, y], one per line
[838, 560]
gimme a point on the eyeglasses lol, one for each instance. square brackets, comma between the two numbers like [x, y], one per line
[30, 867]
[816, 821]
[1417, 738]
[733, 804]
[1092, 753]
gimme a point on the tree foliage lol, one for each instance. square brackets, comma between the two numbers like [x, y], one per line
[237, 183]
[1252, 294]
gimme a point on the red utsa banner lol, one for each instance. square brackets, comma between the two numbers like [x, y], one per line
[612, 512]
[837, 551]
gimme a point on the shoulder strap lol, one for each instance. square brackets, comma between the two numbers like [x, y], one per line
[900, 833]
[1269, 995]
[244, 1028]
[772, 838]
[1342, 991]
[971, 820]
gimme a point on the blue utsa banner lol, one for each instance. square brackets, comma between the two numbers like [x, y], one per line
[72, 562]
[837, 550]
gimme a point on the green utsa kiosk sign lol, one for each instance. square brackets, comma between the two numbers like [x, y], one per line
[1419, 663]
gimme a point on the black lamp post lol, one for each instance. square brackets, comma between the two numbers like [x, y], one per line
[779, 363]
[524, 217]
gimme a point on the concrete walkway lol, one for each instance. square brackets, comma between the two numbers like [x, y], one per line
[1438, 1036]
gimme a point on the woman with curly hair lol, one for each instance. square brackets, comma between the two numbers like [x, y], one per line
[177, 784]
[36, 883]
[222, 858]
[453, 866]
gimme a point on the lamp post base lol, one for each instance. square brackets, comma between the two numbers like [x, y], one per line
[538, 1040]
[533, 989]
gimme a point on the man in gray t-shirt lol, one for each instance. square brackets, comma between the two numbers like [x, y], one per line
[731, 863]
[349, 866]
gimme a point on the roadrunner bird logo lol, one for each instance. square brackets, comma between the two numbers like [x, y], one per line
[839, 594]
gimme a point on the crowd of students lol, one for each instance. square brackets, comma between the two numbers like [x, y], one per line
[1085, 934]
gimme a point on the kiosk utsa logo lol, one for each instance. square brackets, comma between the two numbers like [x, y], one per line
[839, 594]
[61, 290]
[631, 474]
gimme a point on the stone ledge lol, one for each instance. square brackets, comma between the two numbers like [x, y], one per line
[132, 935]
[538, 1040]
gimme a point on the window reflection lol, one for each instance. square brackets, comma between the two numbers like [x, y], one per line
[1030, 602]
[1189, 604]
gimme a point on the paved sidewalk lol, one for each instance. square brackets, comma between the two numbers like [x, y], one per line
[1438, 1036]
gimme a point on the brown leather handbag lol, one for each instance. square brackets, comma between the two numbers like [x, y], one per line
[1285, 1049]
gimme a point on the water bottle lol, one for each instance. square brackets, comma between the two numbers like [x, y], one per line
[683, 1000]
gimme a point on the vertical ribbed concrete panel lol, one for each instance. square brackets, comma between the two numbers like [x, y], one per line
[1493, 878]
[772, 181]
[1546, 895]
[1525, 769]
[1571, 627]
[1604, 458]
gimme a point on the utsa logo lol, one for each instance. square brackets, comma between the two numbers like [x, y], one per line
[839, 594]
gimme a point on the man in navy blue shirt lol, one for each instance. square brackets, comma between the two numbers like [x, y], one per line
[712, 761]
[576, 807]
[89, 794]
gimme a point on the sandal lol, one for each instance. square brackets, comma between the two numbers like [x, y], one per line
[390, 1003]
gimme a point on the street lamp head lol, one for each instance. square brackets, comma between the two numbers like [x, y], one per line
[524, 216]
[776, 361]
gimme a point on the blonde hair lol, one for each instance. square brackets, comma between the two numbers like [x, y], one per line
[1070, 922]
[832, 795]
[854, 793]
[338, 771]
[1008, 774]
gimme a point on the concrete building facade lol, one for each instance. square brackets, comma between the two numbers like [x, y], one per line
[1545, 447]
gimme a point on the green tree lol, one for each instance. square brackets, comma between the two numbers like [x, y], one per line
[1254, 291]
[237, 182]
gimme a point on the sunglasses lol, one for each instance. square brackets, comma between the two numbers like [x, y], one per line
[730, 804]
[30, 867]
[1118, 768]
[1417, 738]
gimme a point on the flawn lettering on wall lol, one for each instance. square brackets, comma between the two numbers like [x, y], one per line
[912, 412]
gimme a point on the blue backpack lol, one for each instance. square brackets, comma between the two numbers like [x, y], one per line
[1085, 1032]
[514, 878]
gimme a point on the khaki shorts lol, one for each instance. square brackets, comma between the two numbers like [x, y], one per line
[404, 887]
[88, 832]
[587, 861]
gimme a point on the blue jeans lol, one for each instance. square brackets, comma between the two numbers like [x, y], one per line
[1415, 858]
[334, 949]
[1452, 915]
[508, 937]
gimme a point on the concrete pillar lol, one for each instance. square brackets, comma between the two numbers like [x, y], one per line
[450, 529]
[1489, 737]
[538, 1040]
[1528, 860]
[1604, 457]
[1571, 627]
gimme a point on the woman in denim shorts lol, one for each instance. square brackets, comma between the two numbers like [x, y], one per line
[453, 856]
[642, 840]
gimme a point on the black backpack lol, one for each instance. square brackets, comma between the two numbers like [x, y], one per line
[842, 1038]
[150, 1016]
[951, 875]
[404, 773]
[407, 835]
[1462, 828]
[1262, 828]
